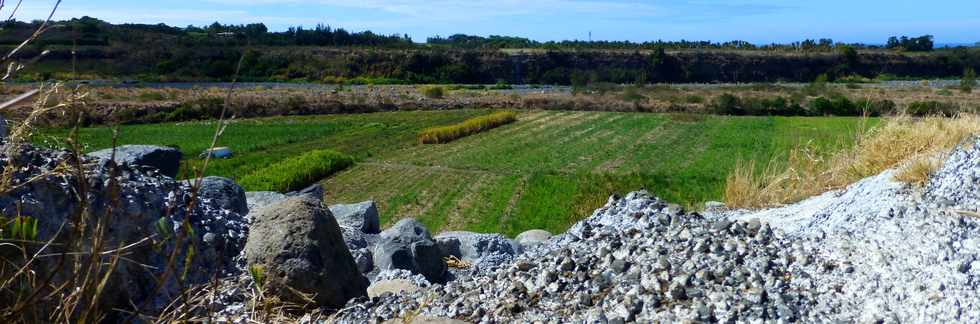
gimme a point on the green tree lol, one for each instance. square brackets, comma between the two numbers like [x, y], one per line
[969, 80]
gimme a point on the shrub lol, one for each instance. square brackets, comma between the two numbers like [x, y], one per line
[434, 92]
[152, 96]
[727, 104]
[446, 134]
[835, 106]
[501, 85]
[776, 106]
[969, 80]
[694, 99]
[297, 172]
[932, 108]
[817, 87]
[632, 94]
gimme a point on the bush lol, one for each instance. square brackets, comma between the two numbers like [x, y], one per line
[152, 96]
[434, 92]
[969, 80]
[501, 85]
[842, 106]
[632, 94]
[776, 106]
[446, 134]
[297, 172]
[694, 99]
[932, 108]
[727, 104]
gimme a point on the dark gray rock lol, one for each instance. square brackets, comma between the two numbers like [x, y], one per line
[224, 193]
[474, 247]
[165, 159]
[409, 246]
[363, 216]
[299, 246]
[141, 204]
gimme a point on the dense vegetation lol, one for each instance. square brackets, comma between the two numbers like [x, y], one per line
[296, 172]
[544, 171]
[333, 55]
[446, 134]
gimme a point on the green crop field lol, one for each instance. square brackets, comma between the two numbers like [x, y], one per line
[547, 170]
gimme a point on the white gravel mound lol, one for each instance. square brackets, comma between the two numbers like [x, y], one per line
[908, 254]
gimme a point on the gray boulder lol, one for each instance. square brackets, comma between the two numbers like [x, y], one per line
[260, 199]
[532, 238]
[475, 248]
[363, 216]
[139, 205]
[224, 193]
[298, 245]
[165, 159]
[409, 246]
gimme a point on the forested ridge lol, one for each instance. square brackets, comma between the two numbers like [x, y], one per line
[102, 50]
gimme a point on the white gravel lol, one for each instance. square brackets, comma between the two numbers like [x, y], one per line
[914, 258]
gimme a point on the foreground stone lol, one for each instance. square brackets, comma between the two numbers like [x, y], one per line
[143, 204]
[165, 159]
[409, 246]
[362, 216]
[224, 193]
[298, 245]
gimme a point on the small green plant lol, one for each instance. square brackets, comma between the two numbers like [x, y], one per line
[258, 276]
[22, 228]
[434, 92]
[969, 81]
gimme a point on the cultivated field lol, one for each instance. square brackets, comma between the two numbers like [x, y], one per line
[547, 170]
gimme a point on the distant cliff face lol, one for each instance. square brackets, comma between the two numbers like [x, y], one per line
[563, 67]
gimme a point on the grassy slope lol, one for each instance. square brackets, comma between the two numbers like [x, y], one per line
[545, 171]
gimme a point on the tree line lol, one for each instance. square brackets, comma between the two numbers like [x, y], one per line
[94, 32]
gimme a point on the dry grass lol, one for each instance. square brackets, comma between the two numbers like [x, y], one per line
[446, 134]
[918, 170]
[910, 143]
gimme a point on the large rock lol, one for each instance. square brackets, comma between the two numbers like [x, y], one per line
[136, 206]
[363, 216]
[532, 238]
[409, 246]
[474, 248]
[165, 159]
[224, 193]
[299, 246]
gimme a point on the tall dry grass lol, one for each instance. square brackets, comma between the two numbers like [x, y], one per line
[445, 134]
[910, 144]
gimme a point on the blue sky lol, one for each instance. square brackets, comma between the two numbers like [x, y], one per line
[871, 21]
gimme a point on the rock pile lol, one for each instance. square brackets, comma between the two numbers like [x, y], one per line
[141, 206]
[637, 259]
